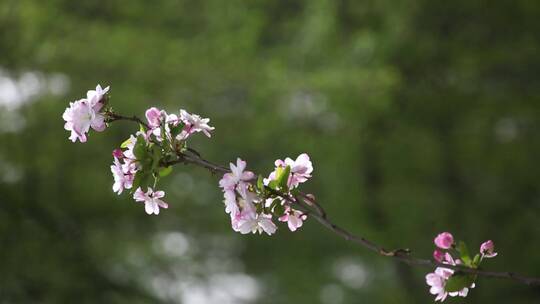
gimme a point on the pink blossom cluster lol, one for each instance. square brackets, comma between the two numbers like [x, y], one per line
[83, 114]
[446, 249]
[163, 125]
[165, 133]
[251, 208]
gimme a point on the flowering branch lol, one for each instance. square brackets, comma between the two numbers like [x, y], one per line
[253, 201]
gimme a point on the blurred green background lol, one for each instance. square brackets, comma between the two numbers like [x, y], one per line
[420, 117]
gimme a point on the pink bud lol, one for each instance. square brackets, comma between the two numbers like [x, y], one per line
[438, 255]
[444, 240]
[487, 249]
[118, 153]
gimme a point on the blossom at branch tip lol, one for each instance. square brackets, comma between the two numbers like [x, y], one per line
[83, 114]
[194, 123]
[80, 116]
[444, 240]
[487, 249]
[151, 200]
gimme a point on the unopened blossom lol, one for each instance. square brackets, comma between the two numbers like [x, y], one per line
[301, 170]
[80, 116]
[118, 153]
[444, 240]
[487, 249]
[194, 123]
[438, 255]
[151, 200]
[293, 218]
[236, 176]
[122, 179]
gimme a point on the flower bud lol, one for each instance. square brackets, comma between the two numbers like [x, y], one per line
[444, 240]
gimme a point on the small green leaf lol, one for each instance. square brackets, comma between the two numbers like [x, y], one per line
[177, 129]
[459, 281]
[464, 253]
[476, 261]
[126, 143]
[165, 171]
[142, 128]
[282, 176]
[139, 150]
[156, 156]
[279, 209]
[141, 180]
[260, 184]
[273, 184]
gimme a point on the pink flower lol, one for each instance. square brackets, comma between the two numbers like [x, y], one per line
[487, 249]
[438, 255]
[294, 218]
[444, 240]
[194, 123]
[122, 180]
[248, 221]
[236, 176]
[154, 117]
[80, 116]
[437, 281]
[301, 169]
[151, 200]
[230, 203]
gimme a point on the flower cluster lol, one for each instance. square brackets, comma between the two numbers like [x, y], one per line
[83, 114]
[252, 206]
[446, 282]
[148, 152]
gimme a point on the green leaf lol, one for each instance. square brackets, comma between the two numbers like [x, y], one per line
[142, 128]
[464, 253]
[282, 176]
[177, 129]
[459, 281]
[279, 209]
[476, 261]
[126, 143]
[273, 184]
[139, 150]
[260, 184]
[156, 157]
[141, 180]
[165, 171]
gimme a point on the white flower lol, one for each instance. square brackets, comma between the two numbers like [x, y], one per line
[151, 200]
[80, 116]
[194, 123]
[95, 96]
